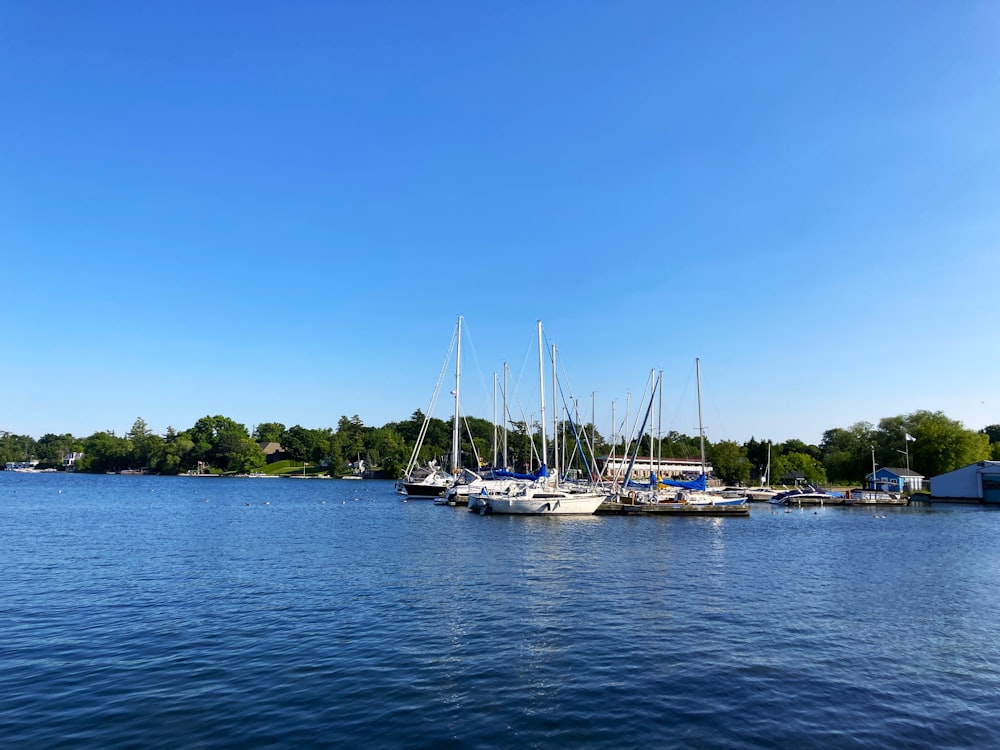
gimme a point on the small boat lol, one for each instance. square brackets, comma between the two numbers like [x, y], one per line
[807, 495]
[429, 482]
[761, 494]
[694, 497]
[877, 497]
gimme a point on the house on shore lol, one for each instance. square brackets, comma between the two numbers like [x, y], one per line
[975, 483]
[272, 451]
[891, 479]
[794, 478]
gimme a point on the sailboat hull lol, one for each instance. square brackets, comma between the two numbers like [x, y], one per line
[417, 489]
[545, 503]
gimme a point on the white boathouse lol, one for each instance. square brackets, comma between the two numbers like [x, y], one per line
[665, 468]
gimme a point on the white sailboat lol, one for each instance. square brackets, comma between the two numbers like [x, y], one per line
[703, 497]
[545, 496]
[433, 481]
[764, 492]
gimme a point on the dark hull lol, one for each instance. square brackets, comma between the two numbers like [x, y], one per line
[416, 489]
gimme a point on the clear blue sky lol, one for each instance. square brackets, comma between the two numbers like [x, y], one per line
[276, 211]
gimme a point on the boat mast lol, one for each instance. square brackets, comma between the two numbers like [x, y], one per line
[455, 453]
[494, 419]
[541, 392]
[652, 423]
[659, 432]
[555, 417]
[767, 471]
[701, 429]
[505, 462]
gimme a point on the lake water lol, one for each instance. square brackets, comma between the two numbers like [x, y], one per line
[187, 613]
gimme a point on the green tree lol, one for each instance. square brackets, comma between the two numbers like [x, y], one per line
[174, 455]
[391, 451]
[221, 443]
[143, 444]
[846, 453]
[942, 444]
[103, 452]
[17, 447]
[269, 432]
[51, 449]
[809, 466]
[729, 463]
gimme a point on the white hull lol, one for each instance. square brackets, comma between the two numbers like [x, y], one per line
[877, 497]
[545, 503]
[761, 494]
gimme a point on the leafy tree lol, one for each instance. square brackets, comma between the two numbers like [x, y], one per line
[846, 453]
[797, 446]
[352, 437]
[143, 444]
[993, 433]
[809, 466]
[17, 447]
[729, 463]
[103, 452]
[942, 444]
[224, 444]
[269, 432]
[51, 449]
[173, 455]
[391, 450]
[677, 445]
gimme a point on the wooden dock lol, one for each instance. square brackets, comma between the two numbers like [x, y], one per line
[612, 508]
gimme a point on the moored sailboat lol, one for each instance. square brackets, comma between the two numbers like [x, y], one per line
[432, 480]
[544, 496]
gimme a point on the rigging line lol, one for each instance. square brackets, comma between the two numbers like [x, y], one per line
[467, 337]
[682, 402]
[430, 409]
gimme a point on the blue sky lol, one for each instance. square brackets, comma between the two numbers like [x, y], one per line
[276, 211]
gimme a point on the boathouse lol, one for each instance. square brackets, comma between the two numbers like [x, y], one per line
[975, 483]
[889, 479]
[666, 468]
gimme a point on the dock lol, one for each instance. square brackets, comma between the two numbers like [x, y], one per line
[612, 507]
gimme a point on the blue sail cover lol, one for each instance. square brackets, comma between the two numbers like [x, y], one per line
[695, 484]
[539, 473]
[650, 485]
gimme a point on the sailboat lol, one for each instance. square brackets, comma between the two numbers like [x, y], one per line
[764, 492]
[694, 494]
[544, 496]
[432, 480]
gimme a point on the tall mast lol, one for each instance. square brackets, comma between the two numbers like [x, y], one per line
[506, 464]
[652, 421]
[541, 393]
[701, 428]
[555, 417]
[659, 428]
[494, 419]
[455, 453]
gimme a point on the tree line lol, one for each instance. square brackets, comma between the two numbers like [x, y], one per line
[930, 441]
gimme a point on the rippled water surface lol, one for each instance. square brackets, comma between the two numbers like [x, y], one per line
[204, 613]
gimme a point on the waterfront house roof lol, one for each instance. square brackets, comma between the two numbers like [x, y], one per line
[901, 472]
